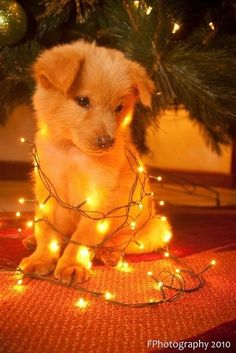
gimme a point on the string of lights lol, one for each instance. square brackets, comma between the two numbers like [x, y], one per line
[171, 284]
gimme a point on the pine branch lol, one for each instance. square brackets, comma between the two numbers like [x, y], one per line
[197, 73]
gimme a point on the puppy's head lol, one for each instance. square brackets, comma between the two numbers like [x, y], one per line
[85, 93]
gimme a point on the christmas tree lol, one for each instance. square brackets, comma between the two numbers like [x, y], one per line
[188, 48]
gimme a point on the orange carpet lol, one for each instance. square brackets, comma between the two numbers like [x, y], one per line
[43, 318]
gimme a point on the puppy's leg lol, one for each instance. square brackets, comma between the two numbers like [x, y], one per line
[153, 236]
[74, 265]
[43, 259]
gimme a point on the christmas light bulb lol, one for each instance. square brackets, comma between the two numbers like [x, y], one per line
[140, 169]
[161, 203]
[19, 230]
[149, 273]
[140, 205]
[133, 225]
[21, 200]
[159, 285]
[108, 295]
[29, 224]
[22, 140]
[163, 218]
[159, 178]
[141, 246]
[148, 10]
[18, 214]
[102, 226]
[123, 266]
[167, 236]
[127, 120]
[211, 25]
[54, 246]
[83, 256]
[166, 254]
[177, 270]
[41, 206]
[20, 282]
[213, 262]
[175, 28]
[81, 303]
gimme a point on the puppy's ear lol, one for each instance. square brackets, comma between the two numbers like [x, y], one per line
[58, 67]
[142, 84]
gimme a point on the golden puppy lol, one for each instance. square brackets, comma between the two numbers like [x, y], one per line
[84, 98]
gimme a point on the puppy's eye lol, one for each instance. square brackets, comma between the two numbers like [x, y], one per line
[119, 108]
[83, 101]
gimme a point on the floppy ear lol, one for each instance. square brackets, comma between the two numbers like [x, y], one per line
[141, 83]
[58, 67]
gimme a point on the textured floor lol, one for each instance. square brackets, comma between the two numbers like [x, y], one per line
[43, 318]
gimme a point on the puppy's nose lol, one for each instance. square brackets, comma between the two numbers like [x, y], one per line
[105, 142]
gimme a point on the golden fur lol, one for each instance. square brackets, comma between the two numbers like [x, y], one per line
[71, 158]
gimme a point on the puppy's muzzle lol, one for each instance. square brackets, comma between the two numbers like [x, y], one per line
[105, 142]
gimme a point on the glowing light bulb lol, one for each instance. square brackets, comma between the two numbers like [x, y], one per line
[175, 28]
[167, 236]
[159, 285]
[19, 230]
[123, 266]
[140, 205]
[54, 246]
[152, 194]
[18, 214]
[81, 303]
[102, 226]
[41, 206]
[136, 3]
[127, 120]
[213, 262]
[108, 295]
[159, 178]
[29, 224]
[141, 246]
[89, 199]
[149, 273]
[133, 225]
[21, 200]
[177, 270]
[20, 282]
[148, 10]
[161, 203]
[83, 256]
[211, 25]
[140, 169]
[163, 218]
[166, 254]
[22, 140]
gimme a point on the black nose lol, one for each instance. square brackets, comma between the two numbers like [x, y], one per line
[105, 142]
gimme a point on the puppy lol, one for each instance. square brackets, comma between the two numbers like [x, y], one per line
[84, 99]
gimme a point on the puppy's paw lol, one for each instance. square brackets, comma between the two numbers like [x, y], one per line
[69, 273]
[108, 257]
[40, 265]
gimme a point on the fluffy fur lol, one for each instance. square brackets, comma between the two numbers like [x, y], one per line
[67, 143]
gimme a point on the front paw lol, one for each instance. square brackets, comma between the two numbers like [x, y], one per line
[71, 273]
[38, 264]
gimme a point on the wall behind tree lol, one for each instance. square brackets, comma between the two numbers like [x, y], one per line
[19, 124]
[178, 144]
